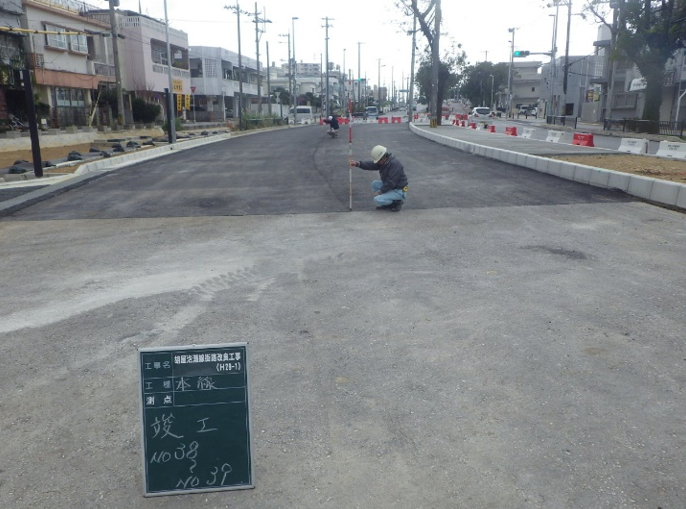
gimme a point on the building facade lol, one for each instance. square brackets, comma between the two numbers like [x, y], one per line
[11, 61]
[70, 54]
[145, 63]
[215, 84]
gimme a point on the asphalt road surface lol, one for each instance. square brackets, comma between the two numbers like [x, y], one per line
[508, 340]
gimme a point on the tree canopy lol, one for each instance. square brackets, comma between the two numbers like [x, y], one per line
[450, 74]
[647, 33]
[477, 82]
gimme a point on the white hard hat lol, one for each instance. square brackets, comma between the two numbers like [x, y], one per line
[330, 117]
[378, 152]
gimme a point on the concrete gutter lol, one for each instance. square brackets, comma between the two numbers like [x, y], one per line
[658, 191]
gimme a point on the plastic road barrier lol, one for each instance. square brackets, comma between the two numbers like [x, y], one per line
[634, 146]
[583, 140]
[671, 149]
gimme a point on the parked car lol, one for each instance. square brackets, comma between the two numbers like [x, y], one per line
[481, 114]
[371, 112]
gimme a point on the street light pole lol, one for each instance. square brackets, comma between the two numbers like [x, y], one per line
[237, 9]
[553, 63]
[295, 75]
[326, 63]
[410, 114]
[492, 105]
[378, 86]
[564, 83]
[258, 33]
[172, 116]
[115, 54]
[359, 74]
[509, 75]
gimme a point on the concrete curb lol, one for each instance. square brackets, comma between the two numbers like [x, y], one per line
[96, 169]
[663, 192]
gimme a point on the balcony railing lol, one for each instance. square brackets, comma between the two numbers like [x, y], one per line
[103, 69]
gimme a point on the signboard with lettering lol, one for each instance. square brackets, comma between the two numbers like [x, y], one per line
[195, 419]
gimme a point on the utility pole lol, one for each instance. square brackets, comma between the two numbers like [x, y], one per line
[237, 9]
[509, 75]
[171, 120]
[295, 74]
[115, 53]
[564, 83]
[290, 74]
[553, 64]
[269, 83]
[436, 63]
[410, 114]
[359, 74]
[616, 6]
[258, 34]
[326, 62]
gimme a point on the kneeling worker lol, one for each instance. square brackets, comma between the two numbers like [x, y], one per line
[391, 191]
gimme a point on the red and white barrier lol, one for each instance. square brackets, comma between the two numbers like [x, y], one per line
[583, 140]
[511, 131]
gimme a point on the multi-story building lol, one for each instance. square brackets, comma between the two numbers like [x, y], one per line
[70, 53]
[144, 59]
[215, 83]
[11, 60]
[526, 83]
[620, 86]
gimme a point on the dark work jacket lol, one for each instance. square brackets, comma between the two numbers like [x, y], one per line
[333, 122]
[392, 173]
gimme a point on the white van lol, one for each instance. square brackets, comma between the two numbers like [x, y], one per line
[305, 115]
[371, 112]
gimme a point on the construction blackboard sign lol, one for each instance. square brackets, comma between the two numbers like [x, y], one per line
[195, 419]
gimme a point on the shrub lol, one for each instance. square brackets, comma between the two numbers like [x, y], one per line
[177, 124]
[145, 112]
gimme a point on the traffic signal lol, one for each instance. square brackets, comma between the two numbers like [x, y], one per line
[179, 102]
[520, 54]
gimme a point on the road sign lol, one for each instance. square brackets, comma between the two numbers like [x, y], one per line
[193, 90]
[195, 419]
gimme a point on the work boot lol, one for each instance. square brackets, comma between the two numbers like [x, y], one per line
[385, 207]
[396, 206]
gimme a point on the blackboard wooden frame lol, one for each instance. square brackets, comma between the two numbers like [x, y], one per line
[195, 419]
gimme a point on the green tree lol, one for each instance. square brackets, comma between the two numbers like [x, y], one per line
[430, 14]
[477, 82]
[647, 33]
[450, 74]
[282, 95]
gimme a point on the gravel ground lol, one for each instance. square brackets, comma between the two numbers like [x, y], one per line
[647, 166]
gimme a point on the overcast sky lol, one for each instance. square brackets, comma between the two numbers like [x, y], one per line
[481, 26]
